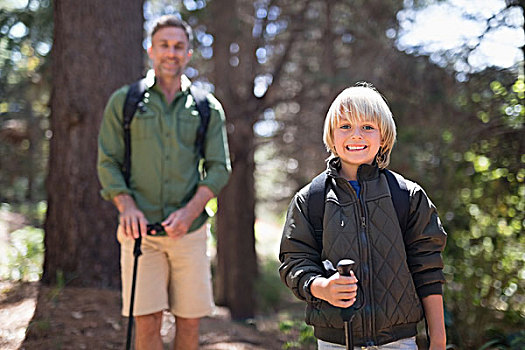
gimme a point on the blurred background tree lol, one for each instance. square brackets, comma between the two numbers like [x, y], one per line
[96, 49]
[276, 65]
[25, 43]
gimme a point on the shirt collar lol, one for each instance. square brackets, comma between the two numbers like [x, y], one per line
[185, 82]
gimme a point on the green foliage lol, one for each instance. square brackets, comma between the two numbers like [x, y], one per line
[25, 43]
[513, 341]
[271, 292]
[39, 326]
[485, 264]
[23, 255]
[302, 334]
[58, 287]
[35, 213]
[211, 207]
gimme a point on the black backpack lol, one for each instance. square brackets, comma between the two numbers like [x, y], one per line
[317, 194]
[134, 101]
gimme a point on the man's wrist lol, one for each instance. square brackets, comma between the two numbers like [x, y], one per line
[192, 212]
[124, 202]
[197, 204]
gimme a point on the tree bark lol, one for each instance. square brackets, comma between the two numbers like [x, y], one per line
[237, 262]
[236, 257]
[97, 48]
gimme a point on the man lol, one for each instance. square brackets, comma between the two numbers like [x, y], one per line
[166, 187]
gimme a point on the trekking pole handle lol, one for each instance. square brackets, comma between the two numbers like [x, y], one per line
[157, 227]
[344, 266]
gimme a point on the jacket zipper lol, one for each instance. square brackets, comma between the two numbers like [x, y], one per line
[367, 299]
[365, 279]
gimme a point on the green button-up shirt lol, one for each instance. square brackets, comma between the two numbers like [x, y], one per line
[164, 159]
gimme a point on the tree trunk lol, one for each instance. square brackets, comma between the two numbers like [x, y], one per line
[97, 48]
[236, 257]
[237, 263]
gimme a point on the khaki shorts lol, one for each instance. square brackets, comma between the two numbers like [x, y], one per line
[172, 275]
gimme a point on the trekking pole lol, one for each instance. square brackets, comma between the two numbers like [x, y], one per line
[136, 253]
[344, 267]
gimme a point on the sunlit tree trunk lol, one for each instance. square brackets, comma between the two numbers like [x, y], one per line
[97, 48]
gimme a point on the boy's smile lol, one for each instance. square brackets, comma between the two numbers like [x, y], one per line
[355, 148]
[356, 143]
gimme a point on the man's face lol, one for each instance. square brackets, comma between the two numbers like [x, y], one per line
[169, 52]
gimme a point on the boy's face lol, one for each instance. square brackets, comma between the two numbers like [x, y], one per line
[169, 52]
[356, 143]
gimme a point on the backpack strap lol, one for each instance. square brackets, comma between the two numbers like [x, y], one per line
[400, 197]
[201, 102]
[315, 203]
[133, 99]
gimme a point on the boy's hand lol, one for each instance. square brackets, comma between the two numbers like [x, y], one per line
[340, 291]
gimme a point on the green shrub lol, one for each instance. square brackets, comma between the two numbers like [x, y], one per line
[271, 292]
[301, 335]
[23, 255]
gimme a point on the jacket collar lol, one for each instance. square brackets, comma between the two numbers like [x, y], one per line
[365, 172]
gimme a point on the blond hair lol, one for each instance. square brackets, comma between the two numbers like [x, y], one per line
[362, 103]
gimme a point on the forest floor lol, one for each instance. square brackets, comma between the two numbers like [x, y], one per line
[88, 318]
[34, 316]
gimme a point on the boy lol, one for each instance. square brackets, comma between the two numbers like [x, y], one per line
[400, 273]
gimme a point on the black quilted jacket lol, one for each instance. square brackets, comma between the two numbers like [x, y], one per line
[394, 269]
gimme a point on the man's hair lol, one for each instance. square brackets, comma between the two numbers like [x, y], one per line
[362, 103]
[173, 21]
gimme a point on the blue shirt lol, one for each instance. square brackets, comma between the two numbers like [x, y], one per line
[356, 186]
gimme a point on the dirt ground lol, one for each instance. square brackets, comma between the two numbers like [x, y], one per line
[38, 317]
[82, 318]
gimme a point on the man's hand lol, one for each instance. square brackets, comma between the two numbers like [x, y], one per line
[340, 291]
[130, 217]
[179, 222]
